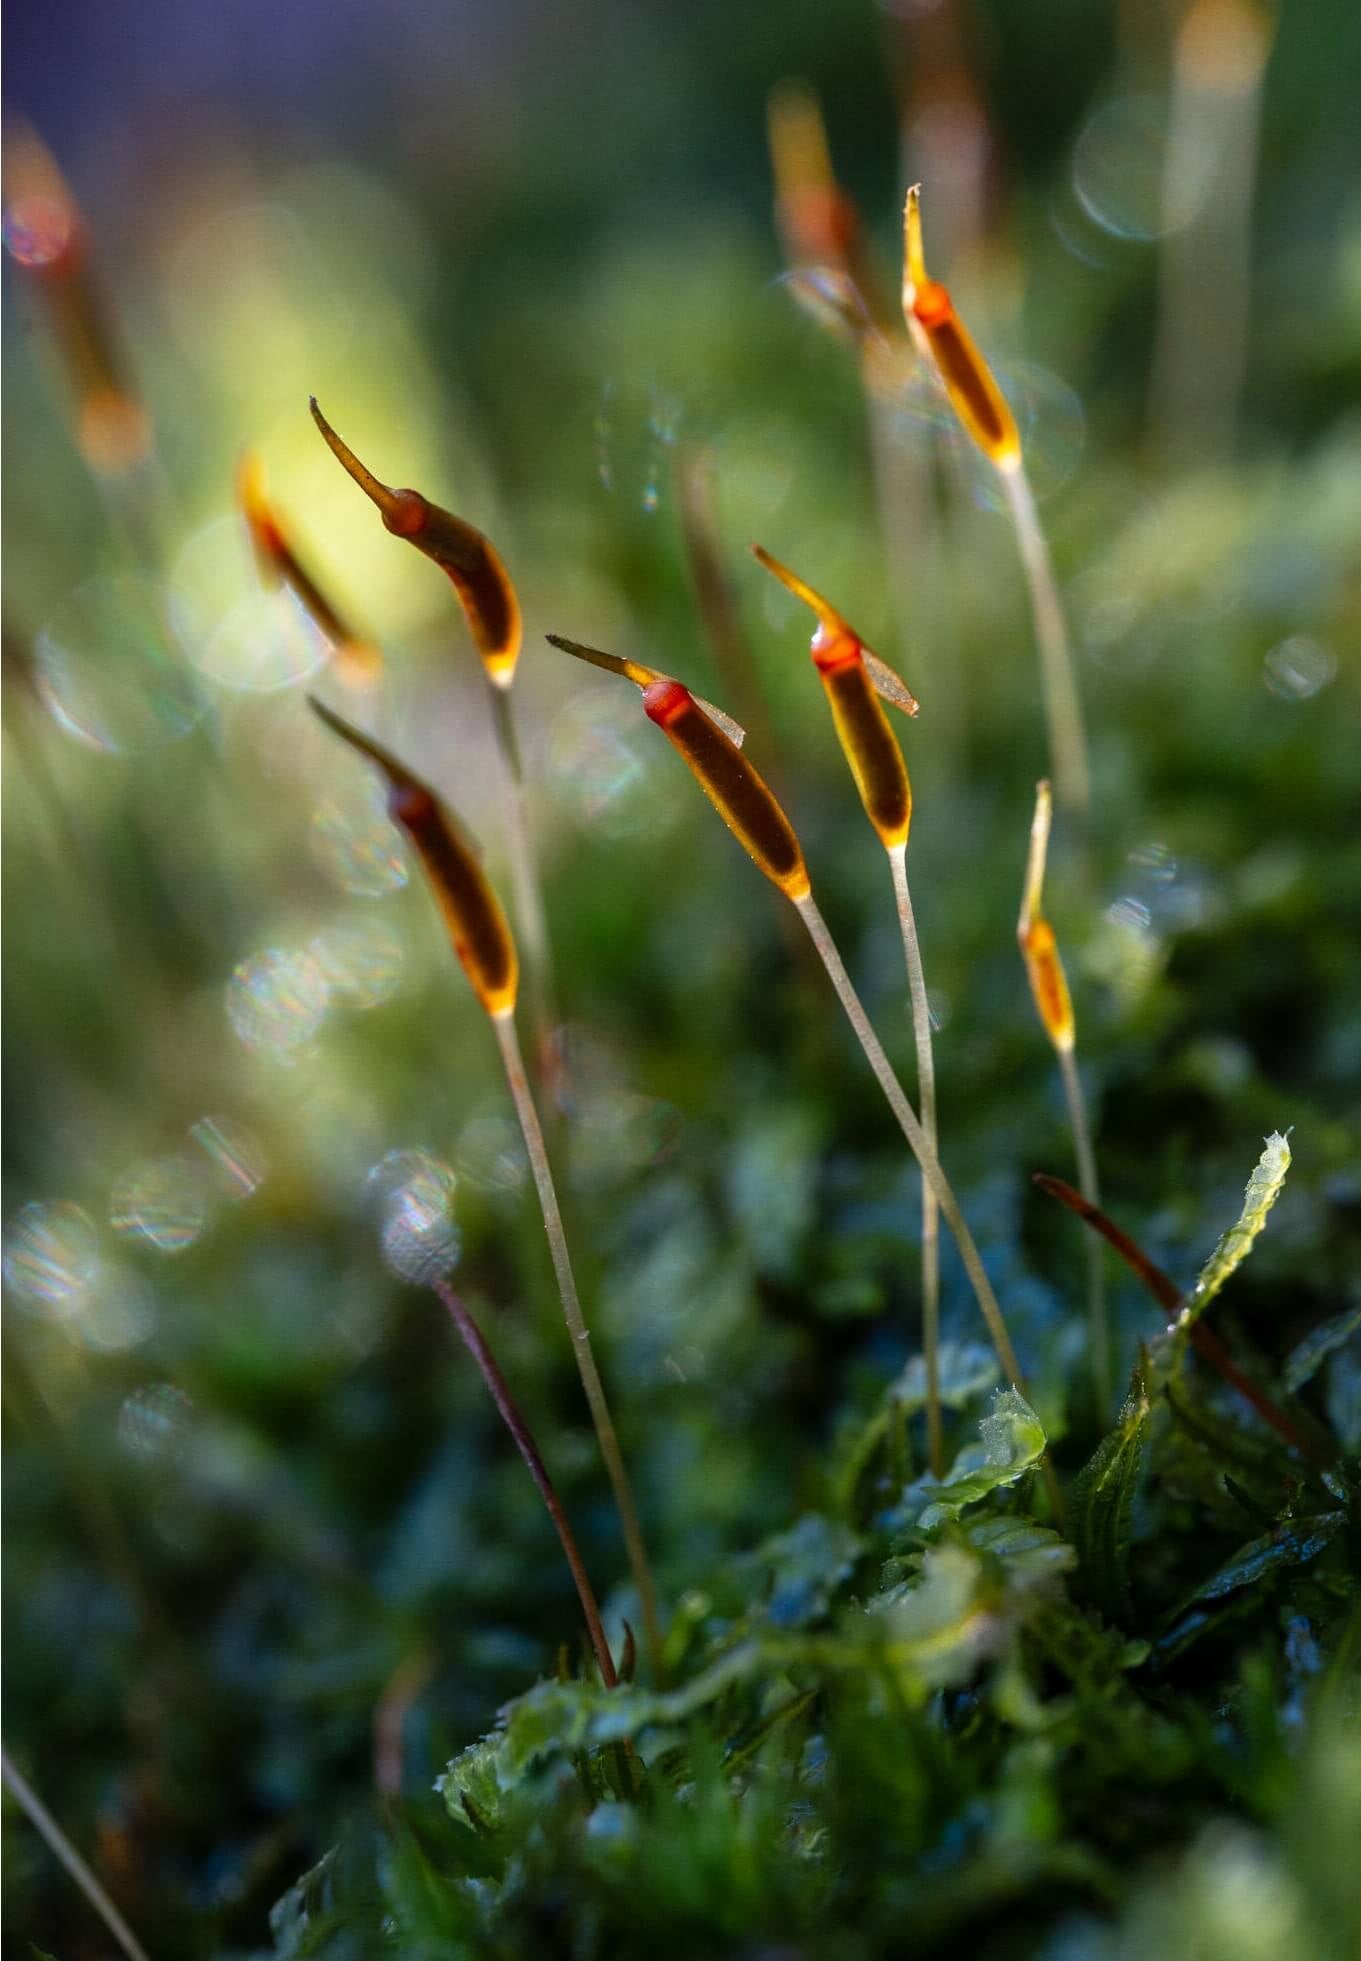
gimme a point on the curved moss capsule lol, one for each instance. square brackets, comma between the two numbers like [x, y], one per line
[817, 221]
[472, 912]
[1034, 934]
[736, 790]
[279, 564]
[1048, 983]
[977, 400]
[867, 741]
[47, 236]
[473, 564]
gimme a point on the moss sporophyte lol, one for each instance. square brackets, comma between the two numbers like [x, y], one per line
[481, 937]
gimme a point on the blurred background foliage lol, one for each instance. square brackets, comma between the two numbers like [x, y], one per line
[256, 1499]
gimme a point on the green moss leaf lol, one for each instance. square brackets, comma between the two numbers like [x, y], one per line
[1264, 1188]
[1308, 1356]
[1292, 1544]
[1100, 1504]
[1011, 1442]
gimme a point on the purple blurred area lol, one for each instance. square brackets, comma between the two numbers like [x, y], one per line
[126, 92]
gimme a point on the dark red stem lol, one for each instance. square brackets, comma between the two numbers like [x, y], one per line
[500, 1394]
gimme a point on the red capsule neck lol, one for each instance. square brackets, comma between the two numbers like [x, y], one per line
[834, 652]
[411, 805]
[664, 701]
[933, 305]
[409, 515]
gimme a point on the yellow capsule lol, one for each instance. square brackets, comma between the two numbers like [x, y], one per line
[737, 791]
[978, 401]
[817, 221]
[711, 745]
[472, 912]
[1039, 948]
[1049, 984]
[473, 564]
[867, 741]
[279, 564]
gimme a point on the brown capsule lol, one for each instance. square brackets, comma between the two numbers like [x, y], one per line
[869, 744]
[853, 690]
[473, 564]
[978, 401]
[736, 790]
[279, 564]
[472, 912]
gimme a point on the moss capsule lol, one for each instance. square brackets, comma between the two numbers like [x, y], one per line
[47, 236]
[472, 912]
[1035, 936]
[977, 400]
[711, 744]
[853, 694]
[736, 790]
[473, 564]
[279, 564]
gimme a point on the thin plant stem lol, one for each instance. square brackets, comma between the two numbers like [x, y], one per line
[925, 1156]
[527, 888]
[523, 1100]
[1058, 685]
[475, 1343]
[65, 1853]
[912, 1131]
[1097, 1316]
[926, 1093]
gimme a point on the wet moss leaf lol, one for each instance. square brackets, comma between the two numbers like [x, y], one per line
[1292, 1544]
[965, 1370]
[1308, 1356]
[1030, 1553]
[1264, 1188]
[472, 1786]
[1011, 1442]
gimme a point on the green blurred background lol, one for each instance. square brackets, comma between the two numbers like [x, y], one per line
[255, 1494]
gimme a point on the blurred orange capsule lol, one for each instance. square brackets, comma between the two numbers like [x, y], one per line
[472, 912]
[817, 221]
[854, 679]
[279, 564]
[486, 594]
[1039, 948]
[737, 791]
[46, 235]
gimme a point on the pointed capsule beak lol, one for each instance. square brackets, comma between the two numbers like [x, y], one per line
[387, 499]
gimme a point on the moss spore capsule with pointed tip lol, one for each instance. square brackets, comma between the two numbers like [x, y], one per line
[469, 559]
[469, 906]
[978, 401]
[279, 564]
[854, 680]
[736, 790]
[862, 727]
[817, 220]
[1035, 936]
[47, 235]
